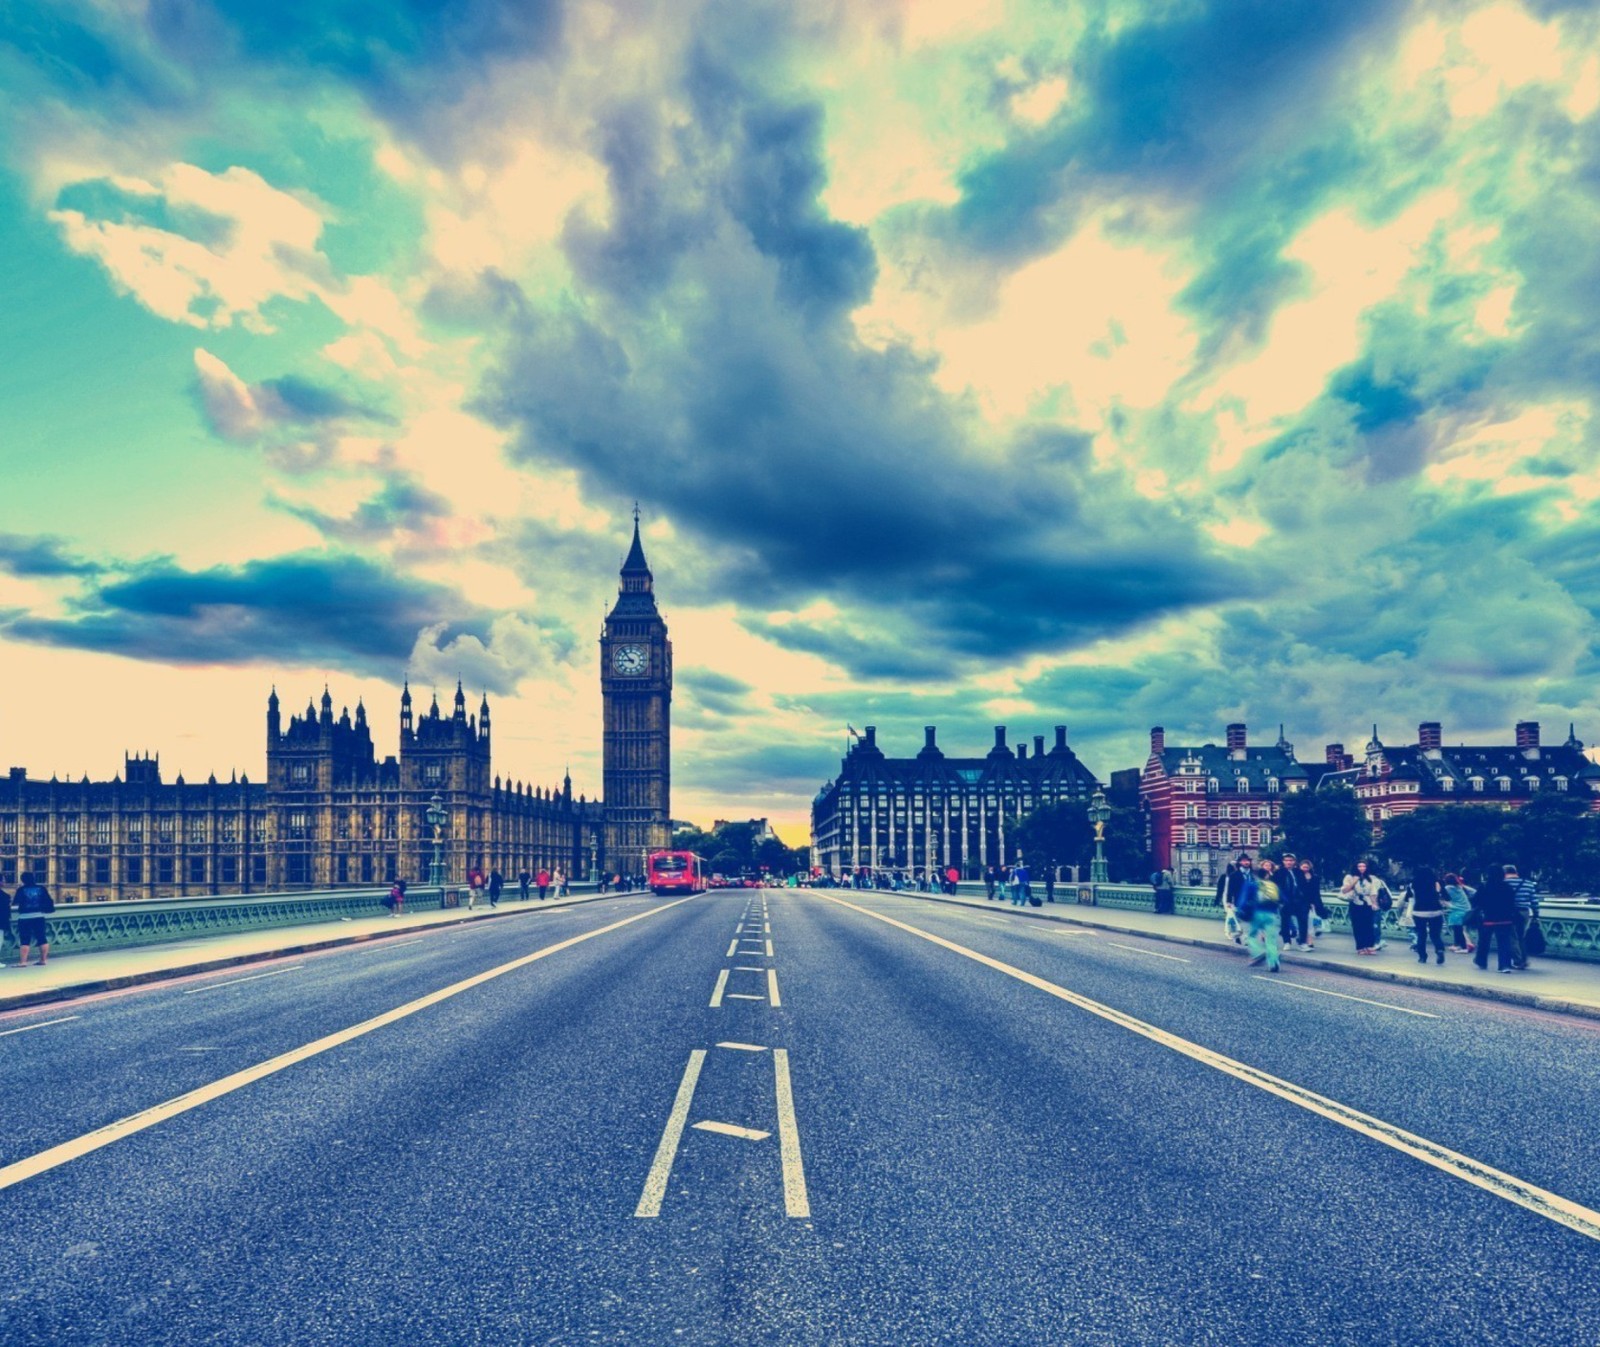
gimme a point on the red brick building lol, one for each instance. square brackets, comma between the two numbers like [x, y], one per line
[1205, 805]
[1391, 781]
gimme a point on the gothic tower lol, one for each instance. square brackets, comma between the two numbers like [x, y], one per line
[636, 692]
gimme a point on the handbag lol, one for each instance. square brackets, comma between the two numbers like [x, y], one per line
[1533, 941]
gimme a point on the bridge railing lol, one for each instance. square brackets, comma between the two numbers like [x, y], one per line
[81, 928]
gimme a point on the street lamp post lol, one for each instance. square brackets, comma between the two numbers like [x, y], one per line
[1099, 813]
[436, 817]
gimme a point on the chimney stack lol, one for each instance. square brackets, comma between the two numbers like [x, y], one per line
[1000, 737]
[927, 736]
[1022, 752]
[1158, 739]
[1335, 755]
[1061, 739]
[1038, 745]
[1527, 734]
[1430, 737]
[1235, 738]
[872, 736]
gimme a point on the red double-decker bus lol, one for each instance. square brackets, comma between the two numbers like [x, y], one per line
[675, 872]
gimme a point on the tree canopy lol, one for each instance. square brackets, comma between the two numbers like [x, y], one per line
[1326, 826]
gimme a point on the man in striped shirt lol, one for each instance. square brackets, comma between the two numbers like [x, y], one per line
[1527, 895]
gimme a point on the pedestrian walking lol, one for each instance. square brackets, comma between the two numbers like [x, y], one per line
[1230, 888]
[474, 887]
[1310, 890]
[544, 884]
[1050, 883]
[1427, 913]
[524, 882]
[1458, 894]
[395, 901]
[1161, 882]
[952, 877]
[1294, 921]
[497, 884]
[5, 919]
[1362, 891]
[990, 878]
[1261, 903]
[563, 884]
[1021, 891]
[33, 903]
[1496, 904]
[1527, 896]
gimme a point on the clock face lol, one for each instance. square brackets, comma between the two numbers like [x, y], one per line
[630, 659]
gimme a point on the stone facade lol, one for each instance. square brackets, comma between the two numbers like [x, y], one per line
[331, 813]
[636, 690]
[934, 811]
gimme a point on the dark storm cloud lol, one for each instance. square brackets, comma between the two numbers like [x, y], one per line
[314, 607]
[806, 463]
[41, 557]
[1177, 102]
[401, 505]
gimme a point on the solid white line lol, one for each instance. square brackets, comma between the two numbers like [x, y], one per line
[45, 1160]
[5, 1033]
[1134, 949]
[769, 949]
[655, 1184]
[1080, 932]
[1552, 1206]
[729, 1130]
[722, 986]
[744, 996]
[400, 944]
[732, 944]
[747, 968]
[795, 1200]
[772, 986]
[234, 982]
[743, 1047]
[1301, 987]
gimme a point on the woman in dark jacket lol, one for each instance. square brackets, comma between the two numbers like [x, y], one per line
[1497, 904]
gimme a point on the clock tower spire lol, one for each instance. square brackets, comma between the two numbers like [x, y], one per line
[636, 694]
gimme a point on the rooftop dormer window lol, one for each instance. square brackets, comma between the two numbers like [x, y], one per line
[1477, 782]
[1272, 785]
[1213, 785]
[1505, 785]
[1447, 783]
[1243, 784]
[1561, 783]
[1532, 782]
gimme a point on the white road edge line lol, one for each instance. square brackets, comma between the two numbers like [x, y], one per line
[55, 1156]
[731, 1130]
[655, 1183]
[1134, 949]
[795, 1201]
[722, 986]
[732, 945]
[1540, 1201]
[234, 982]
[743, 1047]
[772, 986]
[1301, 987]
[43, 1024]
[769, 950]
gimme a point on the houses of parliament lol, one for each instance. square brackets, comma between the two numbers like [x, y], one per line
[330, 813]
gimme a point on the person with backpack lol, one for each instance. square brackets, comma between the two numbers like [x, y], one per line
[1460, 895]
[33, 902]
[1262, 905]
[1427, 913]
[524, 880]
[1496, 902]
[396, 899]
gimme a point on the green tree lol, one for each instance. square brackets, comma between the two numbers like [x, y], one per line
[1555, 837]
[773, 856]
[1467, 838]
[1054, 834]
[1325, 825]
[1127, 857]
[726, 863]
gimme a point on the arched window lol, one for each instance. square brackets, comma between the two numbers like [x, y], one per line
[1242, 784]
[1561, 783]
[1533, 782]
[1191, 836]
[1505, 785]
[1272, 785]
[1477, 782]
[1212, 786]
[1447, 783]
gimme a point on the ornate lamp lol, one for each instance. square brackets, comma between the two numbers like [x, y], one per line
[1099, 814]
[436, 817]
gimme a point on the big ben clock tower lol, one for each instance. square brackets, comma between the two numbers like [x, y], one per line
[636, 691]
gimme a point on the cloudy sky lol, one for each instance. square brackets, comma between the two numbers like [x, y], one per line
[1114, 364]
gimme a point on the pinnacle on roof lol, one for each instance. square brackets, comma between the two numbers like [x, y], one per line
[635, 562]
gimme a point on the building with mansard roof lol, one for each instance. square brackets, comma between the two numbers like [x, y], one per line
[332, 813]
[1207, 804]
[931, 811]
[1392, 780]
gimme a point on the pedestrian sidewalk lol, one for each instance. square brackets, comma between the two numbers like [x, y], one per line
[1566, 985]
[73, 975]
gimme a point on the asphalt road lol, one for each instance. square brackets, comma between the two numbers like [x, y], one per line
[1013, 1133]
